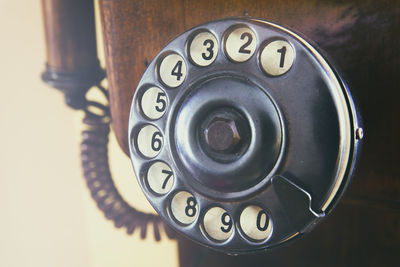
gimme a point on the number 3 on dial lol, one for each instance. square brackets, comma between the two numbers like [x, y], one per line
[203, 49]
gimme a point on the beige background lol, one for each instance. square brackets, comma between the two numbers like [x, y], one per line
[47, 217]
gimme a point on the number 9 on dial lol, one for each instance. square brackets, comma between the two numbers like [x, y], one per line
[218, 224]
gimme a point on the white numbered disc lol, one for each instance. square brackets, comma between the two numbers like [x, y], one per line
[255, 223]
[149, 141]
[240, 44]
[172, 70]
[160, 177]
[154, 103]
[203, 49]
[277, 57]
[218, 224]
[184, 207]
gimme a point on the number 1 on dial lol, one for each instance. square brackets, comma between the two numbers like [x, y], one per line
[277, 57]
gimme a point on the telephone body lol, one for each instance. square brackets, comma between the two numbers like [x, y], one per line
[241, 215]
[241, 135]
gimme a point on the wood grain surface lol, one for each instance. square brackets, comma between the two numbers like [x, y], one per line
[361, 38]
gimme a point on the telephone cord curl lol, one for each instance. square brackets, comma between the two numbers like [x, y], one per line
[94, 156]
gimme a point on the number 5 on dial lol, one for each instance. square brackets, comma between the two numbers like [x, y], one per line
[154, 103]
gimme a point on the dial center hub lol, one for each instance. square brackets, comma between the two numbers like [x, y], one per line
[228, 134]
[222, 135]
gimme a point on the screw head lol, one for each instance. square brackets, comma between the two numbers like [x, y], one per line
[222, 135]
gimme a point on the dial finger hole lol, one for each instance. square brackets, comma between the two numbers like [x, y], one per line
[184, 207]
[149, 141]
[255, 223]
[154, 103]
[203, 49]
[240, 44]
[277, 57]
[218, 224]
[160, 178]
[172, 70]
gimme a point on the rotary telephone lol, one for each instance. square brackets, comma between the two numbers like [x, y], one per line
[242, 133]
[242, 136]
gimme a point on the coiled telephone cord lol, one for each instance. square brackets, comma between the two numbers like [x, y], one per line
[94, 157]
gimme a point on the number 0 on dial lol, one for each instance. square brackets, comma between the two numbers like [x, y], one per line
[255, 223]
[277, 57]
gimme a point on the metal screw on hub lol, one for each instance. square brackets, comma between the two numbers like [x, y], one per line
[222, 135]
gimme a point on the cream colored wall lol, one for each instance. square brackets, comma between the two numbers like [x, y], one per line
[47, 217]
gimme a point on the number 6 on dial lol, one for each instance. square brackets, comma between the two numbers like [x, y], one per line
[149, 141]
